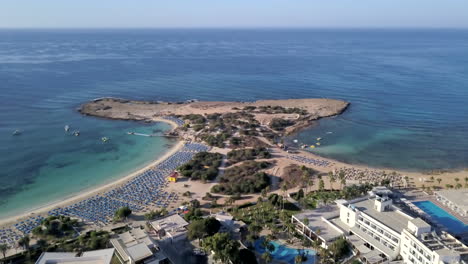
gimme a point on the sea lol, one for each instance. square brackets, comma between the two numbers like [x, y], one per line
[408, 90]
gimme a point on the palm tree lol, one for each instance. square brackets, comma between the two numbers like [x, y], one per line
[439, 180]
[466, 180]
[284, 188]
[342, 182]
[267, 257]
[458, 186]
[321, 185]
[332, 180]
[24, 242]
[457, 180]
[298, 259]
[4, 248]
[432, 178]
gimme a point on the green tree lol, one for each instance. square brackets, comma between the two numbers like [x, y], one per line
[267, 257]
[225, 249]
[321, 185]
[298, 259]
[439, 180]
[24, 242]
[4, 248]
[122, 213]
[196, 230]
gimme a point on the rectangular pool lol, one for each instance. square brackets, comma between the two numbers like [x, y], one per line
[453, 224]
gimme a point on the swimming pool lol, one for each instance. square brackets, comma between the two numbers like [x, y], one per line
[443, 217]
[285, 254]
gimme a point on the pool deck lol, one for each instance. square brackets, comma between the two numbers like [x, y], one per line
[447, 209]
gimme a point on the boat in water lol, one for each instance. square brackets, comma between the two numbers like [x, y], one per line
[67, 128]
[16, 133]
[76, 133]
[105, 139]
[131, 133]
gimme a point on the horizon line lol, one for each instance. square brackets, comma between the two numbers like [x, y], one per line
[237, 28]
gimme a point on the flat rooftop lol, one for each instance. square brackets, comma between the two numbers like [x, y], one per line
[393, 217]
[103, 256]
[172, 222]
[458, 197]
[318, 220]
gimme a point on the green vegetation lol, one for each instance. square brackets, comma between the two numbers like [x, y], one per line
[122, 213]
[243, 179]
[280, 124]
[215, 140]
[56, 227]
[202, 228]
[281, 110]
[312, 199]
[155, 213]
[338, 249]
[239, 155]
[195, 119]
[194, 212]
[225, 249]
[203, 166]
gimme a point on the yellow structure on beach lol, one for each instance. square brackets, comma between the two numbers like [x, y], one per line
[173, 177]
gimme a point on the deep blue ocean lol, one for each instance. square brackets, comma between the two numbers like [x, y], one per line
[408, 91]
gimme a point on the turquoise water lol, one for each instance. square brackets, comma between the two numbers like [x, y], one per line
[284, 253]
[407, 89]
[82, 163]
[443, 217]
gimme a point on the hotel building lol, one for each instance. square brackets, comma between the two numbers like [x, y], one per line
[380, 232]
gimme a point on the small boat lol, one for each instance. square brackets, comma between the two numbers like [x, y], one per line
[304, 146]
[312, 146]
[16, 133]
[295, 141]
[131, 133]
[104, 139]
[76, 133]
[319, 138]
[329, 132]
[318, 144]
[67, 128]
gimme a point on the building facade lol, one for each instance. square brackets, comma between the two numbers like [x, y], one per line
[382, 233]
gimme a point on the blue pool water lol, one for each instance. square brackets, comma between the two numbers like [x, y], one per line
[440, 215]
[285, 254]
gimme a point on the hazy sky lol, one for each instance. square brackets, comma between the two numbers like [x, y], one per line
[233, 13]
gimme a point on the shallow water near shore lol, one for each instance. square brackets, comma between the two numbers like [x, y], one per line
[408, 90]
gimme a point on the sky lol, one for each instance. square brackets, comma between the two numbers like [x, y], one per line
[233, 13]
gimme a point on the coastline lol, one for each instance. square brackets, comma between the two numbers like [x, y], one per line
[94, 190]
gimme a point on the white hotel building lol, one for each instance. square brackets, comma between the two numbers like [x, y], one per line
[381, 233]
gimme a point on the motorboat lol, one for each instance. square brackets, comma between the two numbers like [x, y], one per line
[16, 133]
[76, 133]
[104, 139]
[67, 128]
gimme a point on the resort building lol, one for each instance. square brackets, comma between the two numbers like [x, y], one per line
[135, 246]
[380, 232]
[103, 256]
[228, 224]
[457, 200]
[172, 227]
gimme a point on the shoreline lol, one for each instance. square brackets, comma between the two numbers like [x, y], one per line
[89, 192]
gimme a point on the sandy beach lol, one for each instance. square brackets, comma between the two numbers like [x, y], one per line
[85, 194]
